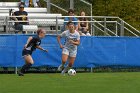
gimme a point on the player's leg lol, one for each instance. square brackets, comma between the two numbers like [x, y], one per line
[64, 58]
[71, 61]
[72, 57]
[28, 63]
[70, 64]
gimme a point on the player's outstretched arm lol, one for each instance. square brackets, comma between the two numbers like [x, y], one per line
[39, 47]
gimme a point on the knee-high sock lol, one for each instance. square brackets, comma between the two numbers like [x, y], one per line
[25, 67]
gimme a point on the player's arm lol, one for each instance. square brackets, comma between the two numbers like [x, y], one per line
[39, 47]
[29, 39]
[77, 42]
[59, 41]
[63, 34]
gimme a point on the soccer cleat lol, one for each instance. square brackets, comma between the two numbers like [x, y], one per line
[20, 74]
[60, 68]
[63, 73]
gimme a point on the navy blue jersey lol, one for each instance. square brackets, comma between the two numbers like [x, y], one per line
[36, 41]
[22, 17]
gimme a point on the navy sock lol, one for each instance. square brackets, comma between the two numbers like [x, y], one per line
[25, 67]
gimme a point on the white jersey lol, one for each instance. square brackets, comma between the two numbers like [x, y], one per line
[70, 36]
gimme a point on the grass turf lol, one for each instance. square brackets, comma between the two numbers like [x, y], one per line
[124, 82]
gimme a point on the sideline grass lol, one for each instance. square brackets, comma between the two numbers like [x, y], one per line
[81, 83]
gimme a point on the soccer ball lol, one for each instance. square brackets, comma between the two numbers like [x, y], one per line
[71, 72]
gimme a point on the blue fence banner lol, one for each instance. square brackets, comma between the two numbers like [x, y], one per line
[92, 51]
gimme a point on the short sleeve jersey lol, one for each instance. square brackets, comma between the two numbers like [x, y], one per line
[70, 36]
[36, 41]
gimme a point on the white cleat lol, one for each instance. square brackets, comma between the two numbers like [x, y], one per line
[63, 73]
[60, 68]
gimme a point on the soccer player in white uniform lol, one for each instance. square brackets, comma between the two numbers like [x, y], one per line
[69, 49]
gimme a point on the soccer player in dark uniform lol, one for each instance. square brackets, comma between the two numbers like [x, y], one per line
[30, 46]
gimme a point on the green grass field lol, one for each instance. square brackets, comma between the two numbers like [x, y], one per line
[122, 82]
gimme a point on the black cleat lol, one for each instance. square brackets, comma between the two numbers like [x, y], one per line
[20, 74]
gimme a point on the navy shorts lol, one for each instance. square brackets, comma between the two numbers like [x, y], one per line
[26, 52]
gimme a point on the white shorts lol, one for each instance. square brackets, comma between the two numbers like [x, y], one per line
[69, 52]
